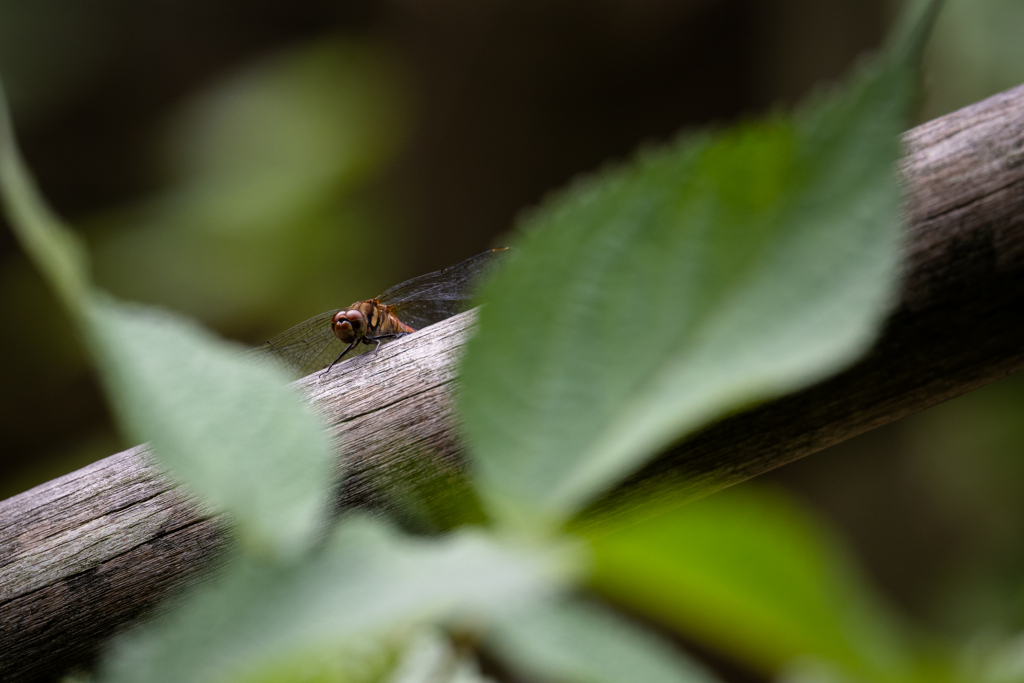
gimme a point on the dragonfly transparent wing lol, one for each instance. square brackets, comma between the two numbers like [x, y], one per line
[431, 298]
[307, 347]
[421, 301]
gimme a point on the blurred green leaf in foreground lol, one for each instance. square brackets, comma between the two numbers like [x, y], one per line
[578, 642]
[750, 573]
[365, 582]
[184, 390]
[976, 52]
[722, 270]
[252, 446]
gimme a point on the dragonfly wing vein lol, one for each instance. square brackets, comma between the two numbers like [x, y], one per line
[433, 297]
[305, 346]
[419, 302]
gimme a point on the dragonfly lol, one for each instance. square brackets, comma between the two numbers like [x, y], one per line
[401, 310]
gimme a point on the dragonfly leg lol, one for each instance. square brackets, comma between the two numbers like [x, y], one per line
[382, 337]
[340, 356]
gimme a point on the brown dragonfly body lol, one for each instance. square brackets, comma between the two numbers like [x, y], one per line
[367, 322]
[412, 305]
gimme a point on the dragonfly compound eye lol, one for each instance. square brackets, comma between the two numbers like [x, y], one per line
[348, 325]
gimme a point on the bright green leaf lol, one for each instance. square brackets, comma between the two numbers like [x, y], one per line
[748, 572]
[576, 642]
[365, 582]
[720, 271]
[232, 429]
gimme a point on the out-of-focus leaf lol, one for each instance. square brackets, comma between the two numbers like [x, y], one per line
[576, 642]
[468, 671]
[814, 671]
[54, 249]
[748, 572]
[430, 658]
[994, 659]
[427, 656]
[717, 272]
[938, 667]
[259, 211]
[977, 52]
[366, 660]
[233, 430]
[324, 110]
[366, 582]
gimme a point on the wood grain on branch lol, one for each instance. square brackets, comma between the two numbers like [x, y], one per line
[85, 554]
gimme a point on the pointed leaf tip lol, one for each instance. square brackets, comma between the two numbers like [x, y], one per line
[714, 273]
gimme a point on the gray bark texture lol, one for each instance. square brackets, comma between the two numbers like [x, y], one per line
[85, 555]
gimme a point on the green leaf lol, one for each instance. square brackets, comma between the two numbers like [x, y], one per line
[231, 429]
[814, 671]
[576, 642]
[54, 249]
[367, 582]
[720, 271]
[751, 574]
[993, 655]
[427, 657]
[360, 661]
[431, 658]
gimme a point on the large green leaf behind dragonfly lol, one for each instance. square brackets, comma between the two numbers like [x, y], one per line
[719, 271]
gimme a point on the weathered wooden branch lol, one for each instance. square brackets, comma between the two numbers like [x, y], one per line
[85, 554]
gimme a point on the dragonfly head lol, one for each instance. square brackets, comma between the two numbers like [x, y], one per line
[348, 325]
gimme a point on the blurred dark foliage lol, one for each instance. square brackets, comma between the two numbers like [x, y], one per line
[487, 105]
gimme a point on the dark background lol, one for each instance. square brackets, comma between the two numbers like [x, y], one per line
[255, 163]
